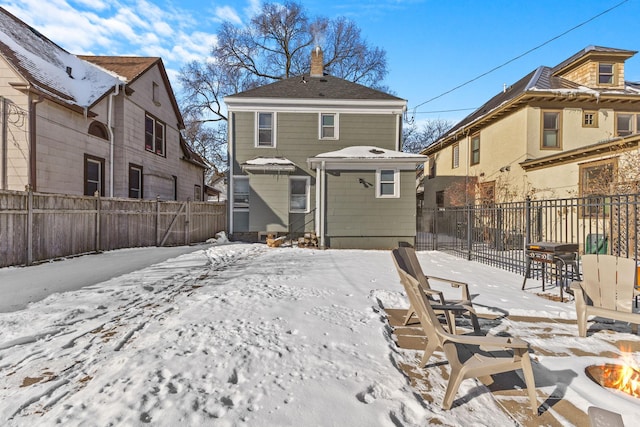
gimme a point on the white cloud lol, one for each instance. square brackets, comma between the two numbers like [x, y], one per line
[227, 13]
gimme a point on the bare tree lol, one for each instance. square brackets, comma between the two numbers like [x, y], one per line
[275, 45]
[417, 139]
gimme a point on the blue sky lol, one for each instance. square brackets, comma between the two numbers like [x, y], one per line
[432, 45]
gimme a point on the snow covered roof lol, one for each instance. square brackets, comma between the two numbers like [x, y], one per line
[269, 163]
[48, 68]
[364, 154]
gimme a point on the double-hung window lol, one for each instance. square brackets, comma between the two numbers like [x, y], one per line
[475, 150]
[135, 181]
[265, 129]
[387, 183]
[299, 194]
[606, 74]
[627, 124]
[551, 122]
[154, 135]
[93, 175]
[328, 126]
[241, 192]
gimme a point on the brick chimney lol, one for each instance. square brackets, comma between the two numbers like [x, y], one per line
[317, 62]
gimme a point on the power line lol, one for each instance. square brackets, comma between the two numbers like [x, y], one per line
[523, 54]
[444, 111]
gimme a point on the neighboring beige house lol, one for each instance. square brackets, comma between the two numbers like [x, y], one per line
[563, 131]
[80, 124]
[317, 153]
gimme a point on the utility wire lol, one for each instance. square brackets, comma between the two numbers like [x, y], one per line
[523, 54]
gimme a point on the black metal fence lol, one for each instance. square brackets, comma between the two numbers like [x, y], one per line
[496, 234]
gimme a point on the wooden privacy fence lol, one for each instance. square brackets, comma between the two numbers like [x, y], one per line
[37, 226]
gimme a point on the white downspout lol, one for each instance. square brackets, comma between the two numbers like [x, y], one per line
[230, 195]
[110, 107]
[323, 182]
[318, 201]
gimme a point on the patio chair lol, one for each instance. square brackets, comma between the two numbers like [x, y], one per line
[458, 307]
[606, 290]
[470, 356]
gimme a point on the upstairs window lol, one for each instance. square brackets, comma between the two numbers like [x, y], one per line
[99, 130]
[590, 119]
[328, 126]
[154, 135]
[299, 194]
[550, 130]
[627, 124]
[265, 130]
[387, 183]
[605, 74]
[475, 150]
[455, 156]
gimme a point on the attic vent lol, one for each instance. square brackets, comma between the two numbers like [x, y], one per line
[69, 71]
[376, 151]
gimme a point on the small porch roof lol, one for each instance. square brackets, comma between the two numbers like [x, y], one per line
[365, 157]
[262, 164]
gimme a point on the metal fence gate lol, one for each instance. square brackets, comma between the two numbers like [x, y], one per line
[496, 234]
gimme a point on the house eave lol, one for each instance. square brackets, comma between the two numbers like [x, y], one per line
[572, 156]
[370, 106]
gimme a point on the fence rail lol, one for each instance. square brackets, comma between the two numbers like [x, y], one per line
[497, 234]
[37, 226]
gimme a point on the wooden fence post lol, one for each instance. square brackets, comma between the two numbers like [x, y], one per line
[157, 220]
[98, 208]
[29, 225]
[187, 227]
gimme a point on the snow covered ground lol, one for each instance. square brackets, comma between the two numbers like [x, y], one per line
[245, 335]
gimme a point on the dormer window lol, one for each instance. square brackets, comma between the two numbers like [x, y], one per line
[605, 74]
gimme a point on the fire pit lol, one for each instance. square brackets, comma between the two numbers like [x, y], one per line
[622, 377]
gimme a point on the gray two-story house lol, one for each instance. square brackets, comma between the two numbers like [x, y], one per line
[316, 153]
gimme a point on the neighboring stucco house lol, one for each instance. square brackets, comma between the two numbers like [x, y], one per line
[80, 124]
[316, 153]
[560, 131]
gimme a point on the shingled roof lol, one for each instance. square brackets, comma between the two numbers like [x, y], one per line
[130, 67]
[316, 88]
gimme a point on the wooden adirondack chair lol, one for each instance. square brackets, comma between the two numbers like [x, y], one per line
[469, 356]
[606, 290]
[450, 308]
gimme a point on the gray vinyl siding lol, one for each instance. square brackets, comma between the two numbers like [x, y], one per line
[297, 136]
[355, 218]
[354, 214]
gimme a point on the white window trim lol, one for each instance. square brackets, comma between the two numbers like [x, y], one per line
[396, 184]
[307, 190]
[274, 127]
[336, 126]
[233, 194]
